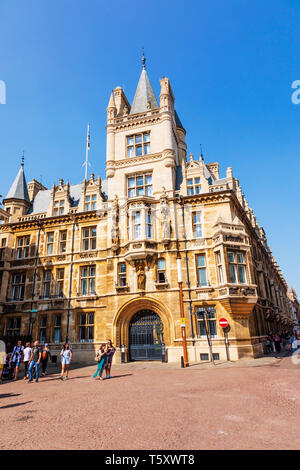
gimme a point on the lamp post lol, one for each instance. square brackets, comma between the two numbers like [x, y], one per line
[182, 318]
[33, 314]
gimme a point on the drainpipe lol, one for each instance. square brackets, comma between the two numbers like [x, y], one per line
[71, 277]
[187, 271]
[34, 277]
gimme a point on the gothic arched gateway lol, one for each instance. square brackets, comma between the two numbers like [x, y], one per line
[146, 335]
[143, 316]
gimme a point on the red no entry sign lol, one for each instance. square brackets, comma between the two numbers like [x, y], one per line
[223, 322]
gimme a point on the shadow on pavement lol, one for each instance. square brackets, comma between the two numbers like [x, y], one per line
[58, 379]
[117, 376]
[15, 404]
[8, 395]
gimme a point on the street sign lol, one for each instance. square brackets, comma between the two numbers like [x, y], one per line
[33, 310]
[223, 322]
[182, 322]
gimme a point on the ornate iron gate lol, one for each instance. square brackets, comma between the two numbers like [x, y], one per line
[145, 336]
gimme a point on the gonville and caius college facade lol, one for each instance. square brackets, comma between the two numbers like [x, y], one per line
[98, 260]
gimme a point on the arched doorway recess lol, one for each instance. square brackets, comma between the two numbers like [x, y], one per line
[146, 335]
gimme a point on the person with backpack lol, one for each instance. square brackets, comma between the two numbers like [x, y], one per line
[17, 357]
[46, 355]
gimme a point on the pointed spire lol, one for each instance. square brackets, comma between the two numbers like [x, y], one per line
[111, 103]
[144, 98]
[19, 189]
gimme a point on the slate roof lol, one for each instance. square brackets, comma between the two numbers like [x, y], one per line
[144, 94]
[43, 198]
[179, 177]
[18, 189]
[177, 120]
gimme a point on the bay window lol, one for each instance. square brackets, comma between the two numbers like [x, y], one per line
[237, 267]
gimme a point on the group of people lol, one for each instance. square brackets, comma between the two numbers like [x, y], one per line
[30, 357]
[276, 341]
[104, 358]
[33, 357]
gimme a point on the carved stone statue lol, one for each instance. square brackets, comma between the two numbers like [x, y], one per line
[141, 276]
[114, 221]
[165, 215]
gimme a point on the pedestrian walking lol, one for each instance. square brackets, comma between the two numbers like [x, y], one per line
[66, 357]
[26, 358]
[35, 360]
[110, 351]
[277, 341]
[101, 358]
[295, 343]
[46, 355]
[17, 357]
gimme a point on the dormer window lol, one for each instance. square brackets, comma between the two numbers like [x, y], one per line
[138, 145]
[59, 207]
[193, 186]
[90, 202]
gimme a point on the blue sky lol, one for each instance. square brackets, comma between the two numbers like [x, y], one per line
[231, 64]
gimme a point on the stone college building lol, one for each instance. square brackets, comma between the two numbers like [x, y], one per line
[98, 260]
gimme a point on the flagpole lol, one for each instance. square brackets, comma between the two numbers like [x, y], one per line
[87, 150]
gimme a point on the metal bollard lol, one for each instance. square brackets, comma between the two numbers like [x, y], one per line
[122, 353]
[163, 352]
[182, 362]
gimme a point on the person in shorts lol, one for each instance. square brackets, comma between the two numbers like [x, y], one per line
[66, 357]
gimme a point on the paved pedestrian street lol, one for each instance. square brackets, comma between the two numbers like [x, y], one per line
[248, 405]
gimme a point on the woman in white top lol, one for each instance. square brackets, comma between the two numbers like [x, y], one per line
[66, 357]
[26, 360]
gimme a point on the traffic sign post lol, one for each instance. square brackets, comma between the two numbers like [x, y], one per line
[223, 322]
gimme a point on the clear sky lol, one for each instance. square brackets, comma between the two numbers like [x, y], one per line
[231, 64]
